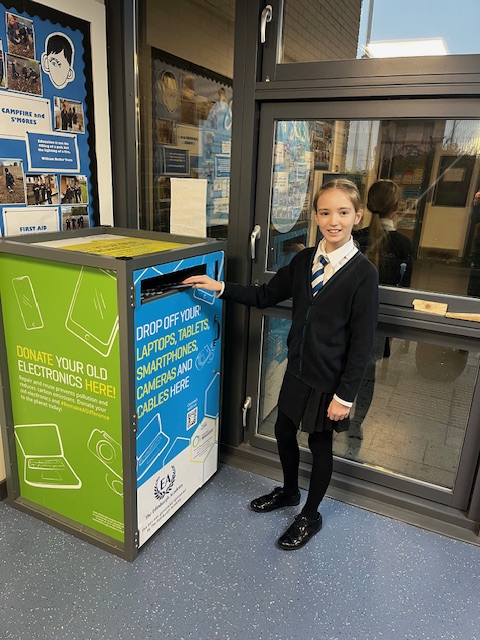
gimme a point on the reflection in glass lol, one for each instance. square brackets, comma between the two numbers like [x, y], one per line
[436, 166]
[294, 163]
[411, 412]
[274, 364]
[191, 136]
[377, 28]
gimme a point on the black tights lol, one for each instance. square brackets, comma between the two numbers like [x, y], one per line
[320, 444]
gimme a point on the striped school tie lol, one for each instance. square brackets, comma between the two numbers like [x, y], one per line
[318, 275]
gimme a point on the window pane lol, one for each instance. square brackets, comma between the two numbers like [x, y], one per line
[410, 415]
[434, 232]
[185, 69]
[330, 30]
[192, 123]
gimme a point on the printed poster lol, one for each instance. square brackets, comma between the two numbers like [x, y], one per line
[177, 373]
[61, 334]
[46, 118]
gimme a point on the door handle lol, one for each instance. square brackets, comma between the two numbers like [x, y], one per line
[246, 406]
[254, 236]
[266, 17]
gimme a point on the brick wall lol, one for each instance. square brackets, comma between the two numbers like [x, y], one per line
[316, 30]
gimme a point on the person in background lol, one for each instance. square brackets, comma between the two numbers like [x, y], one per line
[334, 316]
[390, 251]
[473, 250]
[48, 193]
[9, 180]
[392, 254]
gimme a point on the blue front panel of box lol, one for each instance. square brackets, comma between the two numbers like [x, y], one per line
[177, 373]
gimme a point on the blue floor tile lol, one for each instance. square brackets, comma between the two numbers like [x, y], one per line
[213, 571]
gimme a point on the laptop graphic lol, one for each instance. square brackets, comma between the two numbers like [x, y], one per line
[45, 464]
[151, 441]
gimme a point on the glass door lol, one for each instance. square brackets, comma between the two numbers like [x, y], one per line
[415, 419]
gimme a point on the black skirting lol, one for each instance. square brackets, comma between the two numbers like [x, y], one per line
[307, 407]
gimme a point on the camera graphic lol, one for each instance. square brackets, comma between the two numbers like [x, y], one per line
[109, 452]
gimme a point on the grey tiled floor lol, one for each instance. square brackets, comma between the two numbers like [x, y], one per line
[213, 571]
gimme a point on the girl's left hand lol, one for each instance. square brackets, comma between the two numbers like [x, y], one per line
[337, 411]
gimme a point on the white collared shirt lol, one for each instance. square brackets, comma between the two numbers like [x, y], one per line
[387, 224]
[336, 259]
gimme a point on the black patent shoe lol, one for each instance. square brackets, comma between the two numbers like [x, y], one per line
[274, 500]
[299, 533]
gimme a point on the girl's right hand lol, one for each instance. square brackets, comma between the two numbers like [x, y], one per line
[203, 282]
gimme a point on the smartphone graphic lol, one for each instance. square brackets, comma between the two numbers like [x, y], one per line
[93, 313]
[27, 302]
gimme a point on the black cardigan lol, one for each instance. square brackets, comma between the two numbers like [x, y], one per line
[332, 333]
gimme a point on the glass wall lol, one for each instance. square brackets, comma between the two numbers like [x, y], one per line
[185, 73]
[192, 125]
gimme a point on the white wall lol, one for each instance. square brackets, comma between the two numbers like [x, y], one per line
[92, 11]
[446, 228]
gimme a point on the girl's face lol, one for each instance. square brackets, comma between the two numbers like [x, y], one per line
[335, 217]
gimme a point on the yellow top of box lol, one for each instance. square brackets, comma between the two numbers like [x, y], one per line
[119, 247]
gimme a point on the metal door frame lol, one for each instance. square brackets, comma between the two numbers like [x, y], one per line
[440, 86]
[396, 305]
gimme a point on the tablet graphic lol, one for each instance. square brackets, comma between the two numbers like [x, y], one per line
[93, 315]
[151, 441]
[212, 397]
[27, 302]
[204, 295]
[45, 464]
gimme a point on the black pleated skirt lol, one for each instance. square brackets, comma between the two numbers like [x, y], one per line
[307, 407]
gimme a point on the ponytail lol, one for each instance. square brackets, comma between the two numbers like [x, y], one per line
[382, 201]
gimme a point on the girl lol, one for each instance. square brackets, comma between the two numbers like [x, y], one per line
[334, 316]
[392, 254]
[390, 251]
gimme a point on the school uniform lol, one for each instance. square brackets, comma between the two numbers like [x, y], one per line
[331, 334]
[329, 343]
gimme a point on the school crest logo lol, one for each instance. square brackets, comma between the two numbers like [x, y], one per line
[164, 484]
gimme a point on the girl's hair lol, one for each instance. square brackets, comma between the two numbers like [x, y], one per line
[347, 186]
[382, 202]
